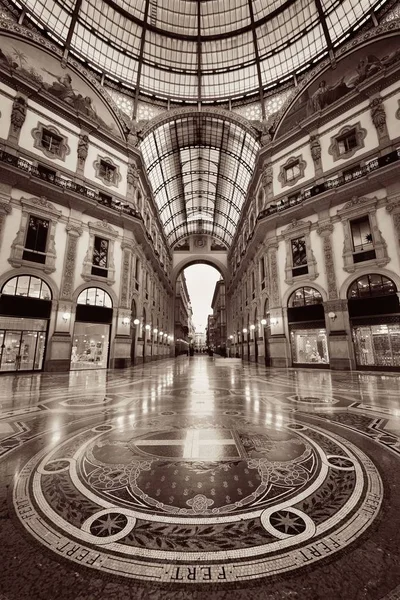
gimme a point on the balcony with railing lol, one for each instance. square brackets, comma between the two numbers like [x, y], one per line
[330, 184]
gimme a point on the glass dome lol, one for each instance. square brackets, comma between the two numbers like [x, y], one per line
[199, 50]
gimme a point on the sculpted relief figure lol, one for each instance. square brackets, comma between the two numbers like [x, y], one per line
[134, 133]
[132, 177]
[18, 113]
[83, 148]
[315, 148]
[267, 176]
[378, 114]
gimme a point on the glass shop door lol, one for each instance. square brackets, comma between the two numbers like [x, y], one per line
[21, 350]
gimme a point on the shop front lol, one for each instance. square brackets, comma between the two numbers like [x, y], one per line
[308, 336]
[25, 309]
[374, 313]
[91, 337]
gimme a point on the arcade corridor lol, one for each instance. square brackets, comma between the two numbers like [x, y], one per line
[200, 478]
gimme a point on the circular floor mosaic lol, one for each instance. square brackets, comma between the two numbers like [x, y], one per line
[185, 500]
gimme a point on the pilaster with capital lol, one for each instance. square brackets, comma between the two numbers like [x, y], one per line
[325, 231]
[393, 207]
[126, 273]
[274, 288]
[74, 231]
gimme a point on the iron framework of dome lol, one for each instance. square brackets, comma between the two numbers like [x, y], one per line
[199, 167]
[199, 50]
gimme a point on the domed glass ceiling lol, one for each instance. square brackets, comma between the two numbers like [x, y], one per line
[199, 50]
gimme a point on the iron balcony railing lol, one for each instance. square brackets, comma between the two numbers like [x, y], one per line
[67, 184]
[330, 184]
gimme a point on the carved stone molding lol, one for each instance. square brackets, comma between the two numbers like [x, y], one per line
[325, 230]
[42, 208]
[74, 231]
[335, 305]
[360, 134]
[355, 208]
[112, 176]
[62, 150]
[273, 279]
[297, 161]
[294, 230]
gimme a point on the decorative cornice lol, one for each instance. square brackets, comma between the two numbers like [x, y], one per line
[103, 227]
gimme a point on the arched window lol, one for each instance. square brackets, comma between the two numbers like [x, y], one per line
[305, 296]
[95, 297]
[370, 286]
[27, 286]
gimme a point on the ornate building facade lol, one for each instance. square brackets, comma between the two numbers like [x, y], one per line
[299, 211]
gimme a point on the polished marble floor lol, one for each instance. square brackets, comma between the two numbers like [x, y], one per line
[200, 478]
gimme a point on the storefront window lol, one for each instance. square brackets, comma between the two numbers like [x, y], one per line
[22, 344]
[27, 286]
[94, 297]
[309, 346]
[377, 345]
[305, 296]
[90, 346]
[371, 286]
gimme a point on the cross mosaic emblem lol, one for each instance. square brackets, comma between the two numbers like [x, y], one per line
[195, 444]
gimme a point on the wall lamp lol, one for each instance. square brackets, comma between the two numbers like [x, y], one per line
[252, 327]
[126, 321]
[155, 330]
[263, 322]
[136, 322]
[66, 316]
[245, 330]
[332, 316]
[147, 327]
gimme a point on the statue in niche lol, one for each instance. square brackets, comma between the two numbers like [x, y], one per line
[83, 148]
[18, 113]
[315, 148]
[378, 114]
[267, 176]
[132, 177]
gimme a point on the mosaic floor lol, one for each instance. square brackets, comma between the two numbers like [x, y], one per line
[200, 478]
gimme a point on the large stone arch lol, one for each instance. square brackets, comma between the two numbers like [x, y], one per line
[181, 263]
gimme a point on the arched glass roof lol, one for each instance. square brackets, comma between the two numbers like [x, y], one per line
[199, 50]
[199, 167]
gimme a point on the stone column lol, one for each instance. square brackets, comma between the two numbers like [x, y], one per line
[336, 313]
[278, 347]
[59, 354]
[5, 205]
[123, 340]
[325, 229]
[393, 207]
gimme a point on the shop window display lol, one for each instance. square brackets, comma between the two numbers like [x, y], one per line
[309, 346]
[22, 344]
[90, 346]
[377, 345]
